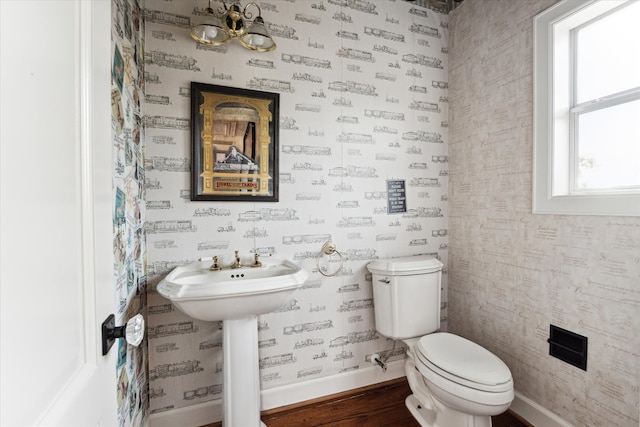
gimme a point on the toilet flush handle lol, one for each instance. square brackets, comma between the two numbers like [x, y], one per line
[385, 280]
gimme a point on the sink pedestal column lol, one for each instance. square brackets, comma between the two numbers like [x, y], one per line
[241, 383]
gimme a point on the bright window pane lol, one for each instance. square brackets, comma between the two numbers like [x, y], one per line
[609, 148]
[608, 54]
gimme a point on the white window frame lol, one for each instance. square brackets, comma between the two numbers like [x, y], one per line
[552, 157]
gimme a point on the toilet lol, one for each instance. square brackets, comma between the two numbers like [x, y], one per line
[455, 382]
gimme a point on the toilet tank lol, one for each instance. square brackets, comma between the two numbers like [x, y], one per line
[406, 295]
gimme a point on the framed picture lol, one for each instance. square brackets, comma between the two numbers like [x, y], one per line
[234, 144]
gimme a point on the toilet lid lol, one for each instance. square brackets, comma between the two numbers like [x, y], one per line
[463, 361]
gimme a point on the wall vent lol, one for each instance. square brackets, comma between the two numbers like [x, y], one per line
[568, 346]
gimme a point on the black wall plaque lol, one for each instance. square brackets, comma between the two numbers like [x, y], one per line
[396, 197]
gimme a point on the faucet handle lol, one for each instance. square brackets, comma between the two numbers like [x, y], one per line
[256, 263]
[215, 266]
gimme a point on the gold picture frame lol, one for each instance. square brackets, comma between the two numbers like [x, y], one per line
[234, 144]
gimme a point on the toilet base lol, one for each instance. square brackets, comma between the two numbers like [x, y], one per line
[442, 416]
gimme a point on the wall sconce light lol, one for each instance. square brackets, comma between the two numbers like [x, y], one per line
[234, 23]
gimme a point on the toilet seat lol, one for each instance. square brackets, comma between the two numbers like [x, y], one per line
[463, 362]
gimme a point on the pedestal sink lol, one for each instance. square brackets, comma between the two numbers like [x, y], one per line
[235, 296]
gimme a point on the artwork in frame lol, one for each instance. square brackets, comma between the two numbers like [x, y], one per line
[234, 148]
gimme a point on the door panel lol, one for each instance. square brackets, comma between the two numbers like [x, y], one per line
[55, 213]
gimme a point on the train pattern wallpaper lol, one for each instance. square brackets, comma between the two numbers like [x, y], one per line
[363, 97]
[364, 116]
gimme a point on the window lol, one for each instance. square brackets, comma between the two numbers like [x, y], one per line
[587, 108]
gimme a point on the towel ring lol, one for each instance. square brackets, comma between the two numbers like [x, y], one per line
[329, 248]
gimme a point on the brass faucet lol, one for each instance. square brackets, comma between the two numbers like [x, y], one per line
[215, 266]
[256, 263]
[237, 263]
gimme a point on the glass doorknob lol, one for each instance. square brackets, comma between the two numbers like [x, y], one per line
[132, 332]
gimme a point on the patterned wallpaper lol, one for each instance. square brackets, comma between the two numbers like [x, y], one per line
[513, 273]
[363, 100]
[127, 102]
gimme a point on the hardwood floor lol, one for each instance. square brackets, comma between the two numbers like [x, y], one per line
[380, 405]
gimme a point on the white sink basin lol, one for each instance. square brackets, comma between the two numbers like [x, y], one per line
[231, 293]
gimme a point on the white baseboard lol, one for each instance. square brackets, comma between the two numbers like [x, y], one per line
[535, 414]
[210, 412]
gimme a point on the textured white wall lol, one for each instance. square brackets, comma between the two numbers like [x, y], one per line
[329, 327]
[513, 273]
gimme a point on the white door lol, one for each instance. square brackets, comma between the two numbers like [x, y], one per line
[55, 214]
